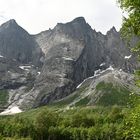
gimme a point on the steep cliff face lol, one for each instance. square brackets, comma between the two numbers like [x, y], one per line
[16, 43]
[20, 57]
[73, 52]
[70, 53]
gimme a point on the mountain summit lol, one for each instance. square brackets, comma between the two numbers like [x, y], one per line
[79, 20]
[9, 24]
[16, 43]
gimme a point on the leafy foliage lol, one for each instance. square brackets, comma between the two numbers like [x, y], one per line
[3, 97]
[131, 25]
[130, 28]
[83, 102]
[76, 124]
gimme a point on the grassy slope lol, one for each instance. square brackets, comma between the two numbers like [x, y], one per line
[101, 115]
[83, 102]
[3, 97]
[109, 95]
[112, 95]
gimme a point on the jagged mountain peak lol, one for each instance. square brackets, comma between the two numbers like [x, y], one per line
[9, 24]
[112, 30]
[12, 21]
[12, 27]
[16, 43]
[77, 28]
[79, 20]
[79, 23]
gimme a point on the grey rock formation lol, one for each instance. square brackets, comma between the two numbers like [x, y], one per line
[73, 52]
[97, 90]
[69, 53]
[16, 43]
[17, 49]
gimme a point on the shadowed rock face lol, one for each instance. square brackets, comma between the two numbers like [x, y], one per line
[70, 53]
[17, 48]
[16, 43]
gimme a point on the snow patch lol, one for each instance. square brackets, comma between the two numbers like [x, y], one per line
[38, 72]
[80, 84]
[84, 81]
[25, 67]
[1, 56]
[67, 58]
[110, 68]
[128, 57]
[120, 70]
[12, 110]
[102, 64]
[97, 72]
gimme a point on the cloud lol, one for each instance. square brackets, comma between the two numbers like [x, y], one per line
[38, 15]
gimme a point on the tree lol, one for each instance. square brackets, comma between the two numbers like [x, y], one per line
[43, 122]
[81, 119]
[132, 124]
[130, 28]
[131, 25]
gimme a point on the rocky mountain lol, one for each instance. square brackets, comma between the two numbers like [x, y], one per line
[54, 62]
[107, 87]
[17, 44]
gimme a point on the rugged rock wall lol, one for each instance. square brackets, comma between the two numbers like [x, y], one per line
[73, 52]
[70, 53]
[17, 44]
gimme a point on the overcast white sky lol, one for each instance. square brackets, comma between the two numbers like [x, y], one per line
[38, 15]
